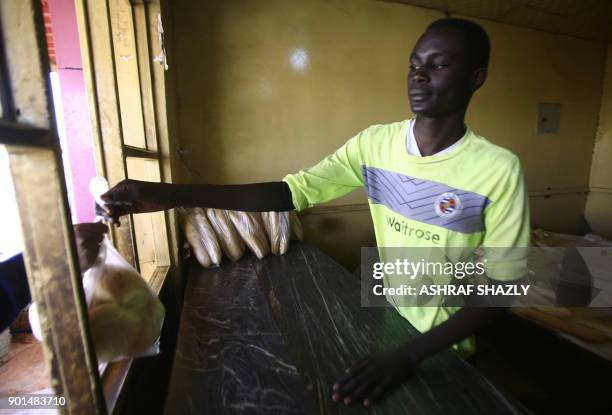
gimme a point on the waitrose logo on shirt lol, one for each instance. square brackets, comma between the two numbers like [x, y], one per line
[405, 229]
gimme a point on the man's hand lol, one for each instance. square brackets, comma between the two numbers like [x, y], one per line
[134, 196]
[88, 238]
[370, 379]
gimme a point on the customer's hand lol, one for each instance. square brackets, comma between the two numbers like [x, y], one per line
[135, 196]
[370, 379]
[88, 238]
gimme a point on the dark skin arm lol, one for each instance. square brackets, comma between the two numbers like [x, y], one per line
[370, 379]
[133, 196]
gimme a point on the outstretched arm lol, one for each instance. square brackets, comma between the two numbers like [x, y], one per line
[133, 196]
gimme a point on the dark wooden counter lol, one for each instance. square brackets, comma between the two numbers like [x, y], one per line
[272, 336]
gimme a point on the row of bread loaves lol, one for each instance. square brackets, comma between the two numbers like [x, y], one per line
[211, 233]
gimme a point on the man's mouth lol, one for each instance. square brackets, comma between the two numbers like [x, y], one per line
[419, 95]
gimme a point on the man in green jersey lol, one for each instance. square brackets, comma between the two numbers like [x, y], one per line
[431, 181]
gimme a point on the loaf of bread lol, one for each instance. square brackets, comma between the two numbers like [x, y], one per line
[251, 228]
[208, 236]
[201, 237]
[192, 234]
[231, 243]
[125, 315]
[278, 230]
[284, 225]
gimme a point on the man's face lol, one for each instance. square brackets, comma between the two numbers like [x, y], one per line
[441, 78]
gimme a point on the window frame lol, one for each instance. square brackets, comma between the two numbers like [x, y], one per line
[28, 132]
[98, 26]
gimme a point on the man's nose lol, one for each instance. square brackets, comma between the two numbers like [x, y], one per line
[418, 77]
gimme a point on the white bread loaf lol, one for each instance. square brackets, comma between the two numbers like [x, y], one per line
[231, 243]
[250, 227]
[208, 236]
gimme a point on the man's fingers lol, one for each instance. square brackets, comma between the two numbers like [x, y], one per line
[116, 211]
[345, 391]
[351, 373]
[119, 203]
[354, 383]
[368, 383]
[376, 395]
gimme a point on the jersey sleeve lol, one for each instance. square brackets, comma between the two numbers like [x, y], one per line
[507, 228]
[333, 177]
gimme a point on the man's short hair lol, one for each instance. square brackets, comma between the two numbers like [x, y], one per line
[474, 35]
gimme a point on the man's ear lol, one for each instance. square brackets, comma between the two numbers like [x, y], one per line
[478, 78]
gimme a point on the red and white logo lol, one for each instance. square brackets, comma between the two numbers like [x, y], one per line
[447, 205]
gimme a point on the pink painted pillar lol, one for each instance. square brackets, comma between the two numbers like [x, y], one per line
[75, 108]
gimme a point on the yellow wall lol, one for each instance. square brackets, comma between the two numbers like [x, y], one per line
[246, 115]
[599, 202]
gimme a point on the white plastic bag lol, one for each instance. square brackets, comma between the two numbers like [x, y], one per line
[125, 315]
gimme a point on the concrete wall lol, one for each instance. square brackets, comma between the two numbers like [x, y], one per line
[599, 202]
[267, 88]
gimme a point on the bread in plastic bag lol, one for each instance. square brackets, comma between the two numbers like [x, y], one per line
[192, 234]
[232, 244]
[201, 237]
[208, 236]
[250, 227]
[278, 230]
[125, 315]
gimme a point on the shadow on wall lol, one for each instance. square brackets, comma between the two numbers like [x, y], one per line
[198, 61]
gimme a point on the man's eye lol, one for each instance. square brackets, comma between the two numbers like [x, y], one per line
[439, 66]
[430, 66]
